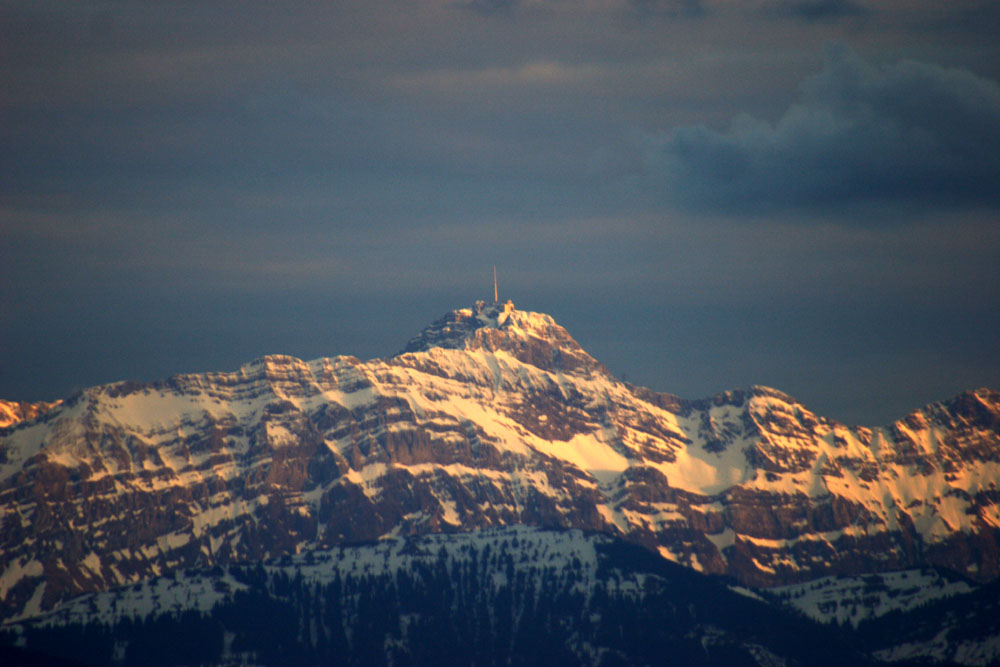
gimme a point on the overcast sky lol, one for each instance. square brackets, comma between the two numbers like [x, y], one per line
[708, 194]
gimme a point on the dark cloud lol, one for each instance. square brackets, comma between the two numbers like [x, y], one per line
[860, 133]
[490, 7]
[670, 8]
[817, 10]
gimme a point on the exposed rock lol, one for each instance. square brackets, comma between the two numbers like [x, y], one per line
[13, 412]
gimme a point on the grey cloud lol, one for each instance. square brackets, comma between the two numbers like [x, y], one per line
[670, 8]
[818, 10]
[490, 7]
[860, 133]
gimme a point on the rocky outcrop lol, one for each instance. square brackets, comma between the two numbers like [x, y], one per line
[12, 412]
[491, 417]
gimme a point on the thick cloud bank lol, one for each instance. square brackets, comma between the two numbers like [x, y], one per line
[903, 132]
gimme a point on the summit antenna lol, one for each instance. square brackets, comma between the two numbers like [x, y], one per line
[496, 294]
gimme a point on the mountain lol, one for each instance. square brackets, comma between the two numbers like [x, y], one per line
[490, 417]
[501, 596]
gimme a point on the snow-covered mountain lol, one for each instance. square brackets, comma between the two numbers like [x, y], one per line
[491, 417]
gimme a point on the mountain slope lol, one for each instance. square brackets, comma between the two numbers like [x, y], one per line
[492, 416]
[504, 596]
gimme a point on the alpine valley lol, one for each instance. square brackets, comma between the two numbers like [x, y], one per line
[491, 495]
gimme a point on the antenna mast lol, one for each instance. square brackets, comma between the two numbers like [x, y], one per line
[496, 295]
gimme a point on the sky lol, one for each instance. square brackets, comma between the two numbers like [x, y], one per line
[708, 194]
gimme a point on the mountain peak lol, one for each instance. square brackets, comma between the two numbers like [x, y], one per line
[452, 330]
[533, 338]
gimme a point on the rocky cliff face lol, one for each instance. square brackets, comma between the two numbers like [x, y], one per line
[12, 412]
[492, 416]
